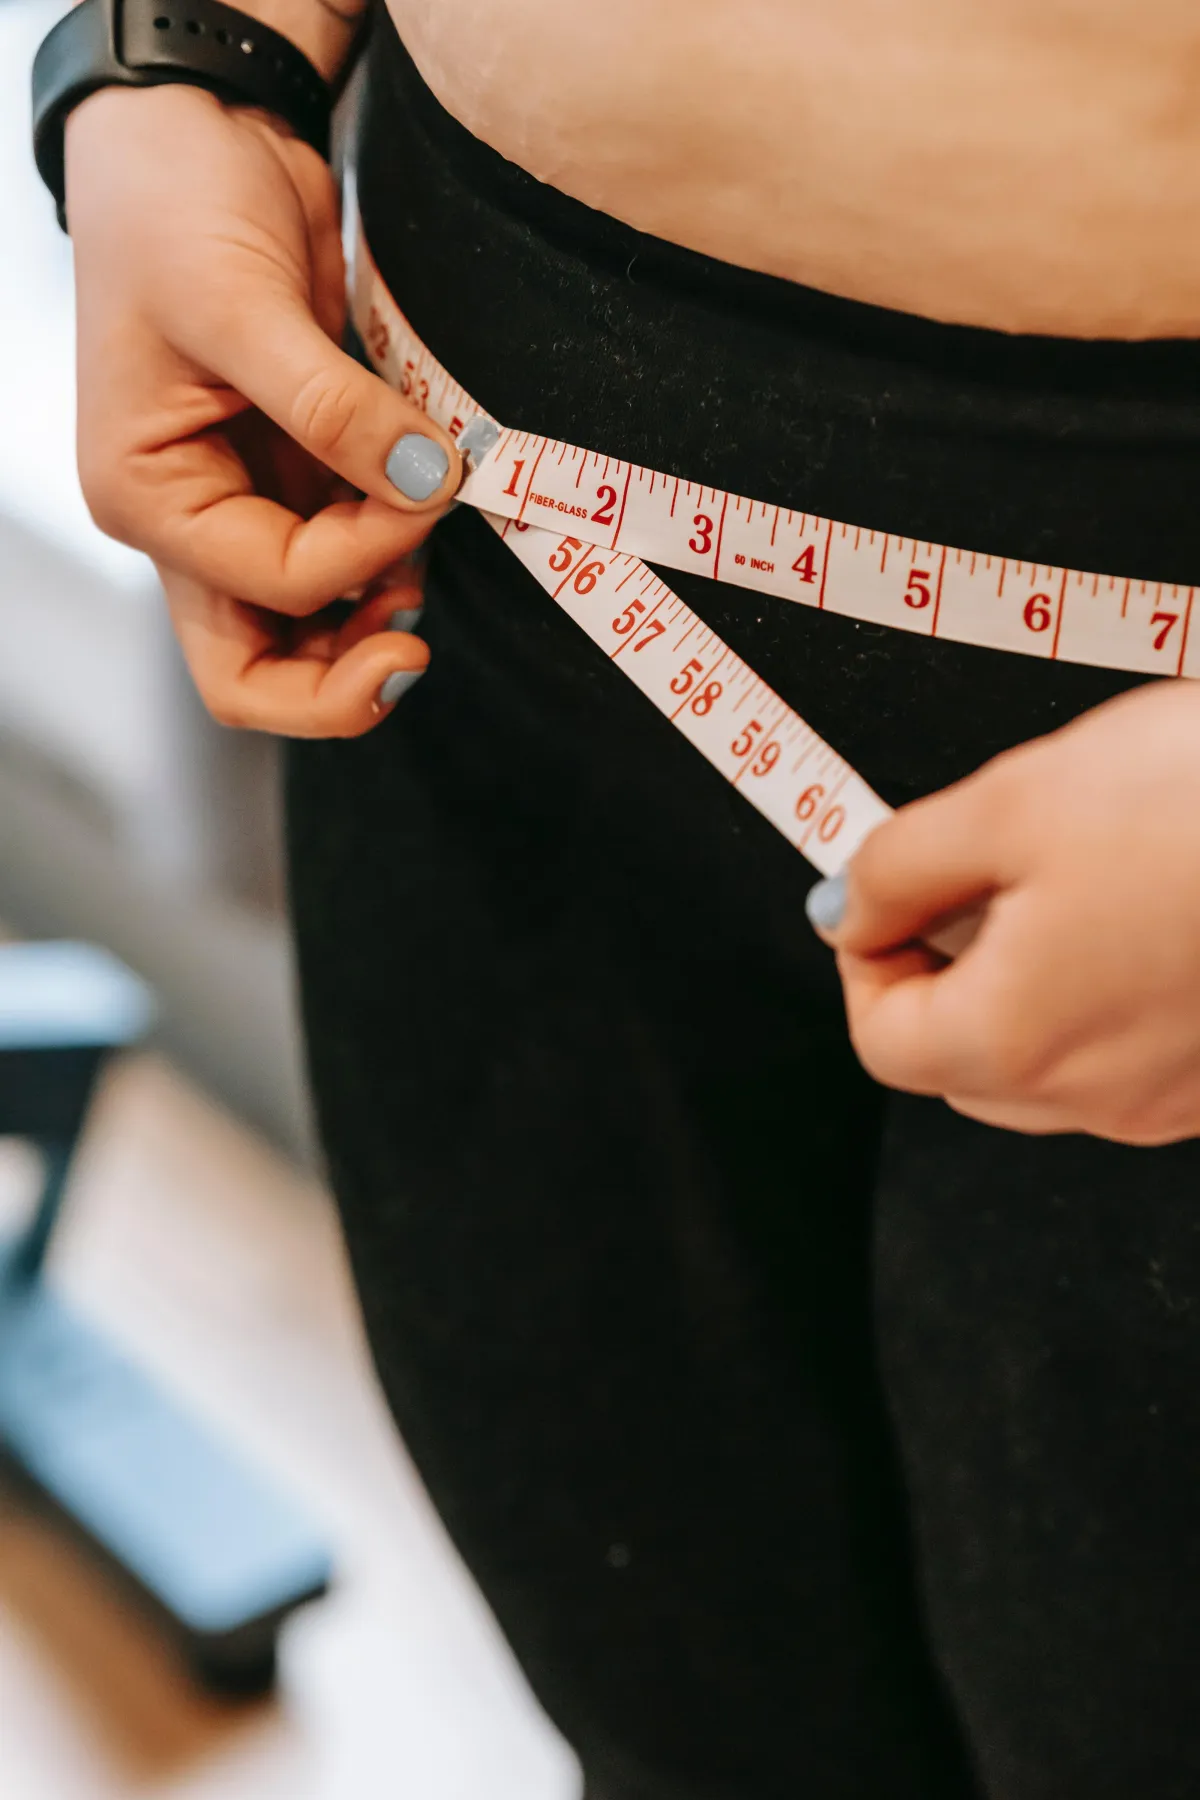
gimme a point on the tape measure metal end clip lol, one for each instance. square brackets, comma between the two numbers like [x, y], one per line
[476, 439]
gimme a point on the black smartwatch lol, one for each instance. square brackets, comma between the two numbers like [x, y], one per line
[147, 43]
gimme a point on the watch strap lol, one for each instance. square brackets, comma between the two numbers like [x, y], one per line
[148, 43]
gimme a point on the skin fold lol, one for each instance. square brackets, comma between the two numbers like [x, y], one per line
[1032, 165]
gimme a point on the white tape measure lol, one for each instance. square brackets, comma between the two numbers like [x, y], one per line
[585, 525]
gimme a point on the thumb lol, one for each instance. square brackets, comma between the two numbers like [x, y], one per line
[929, 861]
[277, 356]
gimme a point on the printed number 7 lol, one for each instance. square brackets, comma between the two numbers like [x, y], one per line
[1166, 620]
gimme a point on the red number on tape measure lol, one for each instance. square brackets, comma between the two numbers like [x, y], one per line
[809, 800]
[805, 564]
[516, 476]
[707, 698]
[561, 559]
[743, 744]
[686, 677]
[604, 514]
[378, 337]
[766, 761]
[654, 629]
[704, 528]
[1037, 612]
[629, 617]
[587, 577]
[831, 824]
[917, 592]
[1166, 620]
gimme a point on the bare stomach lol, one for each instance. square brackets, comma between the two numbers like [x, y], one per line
[1031, 165]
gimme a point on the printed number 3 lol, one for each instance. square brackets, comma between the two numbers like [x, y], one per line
[702, 542]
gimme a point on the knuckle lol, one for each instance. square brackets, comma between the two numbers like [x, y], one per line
[107, 497]
[322, 413]
[879, 1056]
[222, 708]
[874, 1059]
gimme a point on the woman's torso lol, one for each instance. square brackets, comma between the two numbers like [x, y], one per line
[1030, 165]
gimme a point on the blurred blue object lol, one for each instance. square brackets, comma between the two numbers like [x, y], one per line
[219, 1554]
[209, 1546]
[57, 995]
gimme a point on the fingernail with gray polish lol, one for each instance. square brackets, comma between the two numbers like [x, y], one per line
[398, 684]
[405, 618]
[417, 465]
[826, 903]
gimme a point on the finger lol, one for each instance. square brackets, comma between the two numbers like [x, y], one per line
[183, 471]
[276, 355]
[249, 677]
[321, 197]
[970, 1027]
[396, 606]
[396, 609]
[896, 1025]
[929, 860]
[196, 511]
[1033, 1118]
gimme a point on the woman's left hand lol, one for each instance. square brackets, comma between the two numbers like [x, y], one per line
[1077, 1005]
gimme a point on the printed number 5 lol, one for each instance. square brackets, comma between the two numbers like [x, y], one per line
[561, 558]
[917, 592]
[743, 744]
[687, 676]
[628, 618]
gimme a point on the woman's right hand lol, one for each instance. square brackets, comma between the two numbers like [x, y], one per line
[221, 426]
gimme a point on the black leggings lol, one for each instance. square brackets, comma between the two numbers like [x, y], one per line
[809, 1442]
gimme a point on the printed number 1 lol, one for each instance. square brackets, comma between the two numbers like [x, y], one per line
[516, 476]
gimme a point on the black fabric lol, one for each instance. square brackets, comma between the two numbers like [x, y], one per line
[805, 1440]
